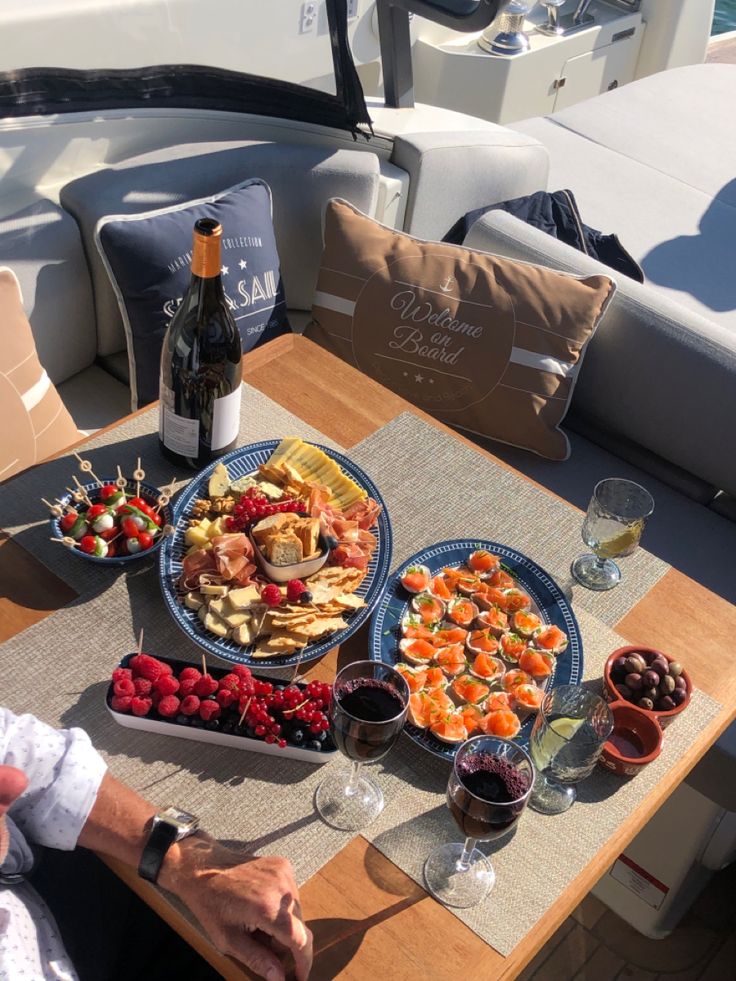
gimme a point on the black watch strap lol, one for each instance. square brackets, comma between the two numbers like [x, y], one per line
[161, 838]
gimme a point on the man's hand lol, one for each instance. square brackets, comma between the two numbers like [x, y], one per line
[248, 906]
[12, 784]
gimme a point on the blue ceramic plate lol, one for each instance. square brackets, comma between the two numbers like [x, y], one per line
[148, 493]
[241, 463]
[548, 602]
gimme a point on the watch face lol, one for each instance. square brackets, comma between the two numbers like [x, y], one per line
[182, 819]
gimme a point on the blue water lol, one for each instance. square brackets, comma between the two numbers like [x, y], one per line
[725, 17]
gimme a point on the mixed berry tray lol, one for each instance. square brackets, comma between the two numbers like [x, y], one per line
[235, 708]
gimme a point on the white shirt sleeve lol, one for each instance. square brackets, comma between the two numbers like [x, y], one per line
[64, 774]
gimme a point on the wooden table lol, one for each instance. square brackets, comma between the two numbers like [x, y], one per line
[368, 917]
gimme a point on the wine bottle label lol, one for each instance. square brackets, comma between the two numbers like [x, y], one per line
[226, 419]
[177, 434]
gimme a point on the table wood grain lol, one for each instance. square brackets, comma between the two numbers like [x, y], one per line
[368, 917]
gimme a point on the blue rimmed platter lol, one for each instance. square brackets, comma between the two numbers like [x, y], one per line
[548, 601]
[241, 463]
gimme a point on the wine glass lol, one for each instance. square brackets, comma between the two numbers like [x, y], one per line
[367, 714]
[613, 525]
[567, 738]
[487, 791]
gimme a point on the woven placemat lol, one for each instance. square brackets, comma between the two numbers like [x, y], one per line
[24, 515]
[436, 488]
[59, 669]
[536, 863]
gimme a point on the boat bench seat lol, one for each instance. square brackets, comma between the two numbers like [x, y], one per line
[652, 162]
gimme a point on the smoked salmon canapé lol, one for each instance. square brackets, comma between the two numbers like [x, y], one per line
[551, 639]
[449, 635]
[438, 587]
[512, 646]
[516, 677]
[426, 707]
[516, 599]
[430, 609]
[417, 651]
[416, 678]
[416, 578]
[470, 689]
[502, 722]
[493, 619]
[539, 664]
[472, 715]
[497, 700]
[450, 729]
[526, 624]
[488, 668]
[481, 642]
[462, 612]
[501, 580]
[528, 698]
[451, 659]
[483, 563]
[461, 580]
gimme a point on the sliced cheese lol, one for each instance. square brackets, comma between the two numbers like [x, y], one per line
[216, 625]
[242, 599]
[213, 590]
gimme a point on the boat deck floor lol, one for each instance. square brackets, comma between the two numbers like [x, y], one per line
[596, 945]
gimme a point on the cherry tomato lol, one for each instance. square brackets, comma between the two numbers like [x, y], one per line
[95, 511]
[67, 520]
[108, 535]
[130, 528]
[108, 491]
[88, 544]
[146, 540]
[139, 503]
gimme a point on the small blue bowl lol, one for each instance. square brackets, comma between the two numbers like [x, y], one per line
[148, 493]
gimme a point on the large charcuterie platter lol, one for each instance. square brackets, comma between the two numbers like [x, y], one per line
[480, 632]
[280, 553]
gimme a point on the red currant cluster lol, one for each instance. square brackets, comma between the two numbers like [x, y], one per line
[234, 703]
[253, 506]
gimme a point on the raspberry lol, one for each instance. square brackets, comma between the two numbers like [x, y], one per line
[143, 687]
[120, 703]
[166, 685]
[124, 688]
[140, 706]
[294, 589]
[148, 667]
[206, 686]
[187, 686]
[120, 673]
[190, 705]
[209, 711]
[168, 706]
[189, 673]
[243, 672]
[271, 594]
[225, 697]
[230, 681]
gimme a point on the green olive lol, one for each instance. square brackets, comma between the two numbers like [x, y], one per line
[675, 669]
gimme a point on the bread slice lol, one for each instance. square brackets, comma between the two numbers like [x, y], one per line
[285, 549]
[276, 522]
[308, 531]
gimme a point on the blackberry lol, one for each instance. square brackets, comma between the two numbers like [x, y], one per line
[182, 720]
[315, 744]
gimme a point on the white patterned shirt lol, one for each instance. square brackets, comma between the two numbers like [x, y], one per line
[64, 774]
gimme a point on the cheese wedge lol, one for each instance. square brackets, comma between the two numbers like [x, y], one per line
[243, 599]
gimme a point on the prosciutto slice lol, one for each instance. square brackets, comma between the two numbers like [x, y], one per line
[229, 560]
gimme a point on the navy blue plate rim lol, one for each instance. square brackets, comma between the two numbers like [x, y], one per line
[546, 594]
[370, 589]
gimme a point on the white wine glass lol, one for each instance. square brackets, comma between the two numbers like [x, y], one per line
[613, 526]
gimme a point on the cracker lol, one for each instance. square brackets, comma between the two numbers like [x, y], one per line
[319, 628]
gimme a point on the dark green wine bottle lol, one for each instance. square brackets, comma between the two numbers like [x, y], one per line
[199, 391]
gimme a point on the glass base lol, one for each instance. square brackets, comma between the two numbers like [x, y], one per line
[452, 886]
[551, 798]
[347, 806]
[594, 573]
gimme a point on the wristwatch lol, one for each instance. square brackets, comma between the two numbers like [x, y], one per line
[168, 826]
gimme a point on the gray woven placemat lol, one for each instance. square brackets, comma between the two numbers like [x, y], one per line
[26, 518]
[59, 669]
[437, 488]
[537, 863]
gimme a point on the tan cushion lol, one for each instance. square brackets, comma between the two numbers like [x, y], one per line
[486, 344]
[34, 421]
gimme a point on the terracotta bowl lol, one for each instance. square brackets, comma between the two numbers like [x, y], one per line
[612, 694]
[636, 740]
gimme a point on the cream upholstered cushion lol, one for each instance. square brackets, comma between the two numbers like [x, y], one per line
[486, 344]
[35, 423]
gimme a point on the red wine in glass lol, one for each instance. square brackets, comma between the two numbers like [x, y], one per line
[367, 714]
[488, 789]
[367, 717]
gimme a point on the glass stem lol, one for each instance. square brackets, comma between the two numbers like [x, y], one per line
[463, 863]
[352, 784]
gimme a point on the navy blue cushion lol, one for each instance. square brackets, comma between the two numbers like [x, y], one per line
[147, 257]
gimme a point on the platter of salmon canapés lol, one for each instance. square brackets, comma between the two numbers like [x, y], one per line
[480, 632]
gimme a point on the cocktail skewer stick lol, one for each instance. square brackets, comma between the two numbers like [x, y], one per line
[121, 481]
[204, 665]
[82, 491]
[296, 666]
[138, 475]
[76, 494]
[140, 641]
[86, 467]
[66, 540]
[162, 500]
[55, 509]
[65, 504]
[245, 710]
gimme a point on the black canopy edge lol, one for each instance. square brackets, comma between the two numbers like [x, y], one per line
[47, 91]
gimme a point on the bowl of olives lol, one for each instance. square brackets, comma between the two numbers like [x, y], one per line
[649, 679]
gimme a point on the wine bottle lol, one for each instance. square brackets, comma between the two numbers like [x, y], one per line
[199, 391]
